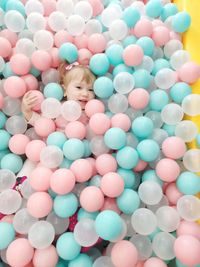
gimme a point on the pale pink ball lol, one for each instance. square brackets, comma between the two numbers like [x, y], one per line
[157, 22]
[20, 64]
[40, 178]
[55, 62]
[143, 27]
[10, 36]
[62, 37]
[91, 198]
[30, 81]
[167, 169]
[81, 41]
[44, 126]
[41, 60]
[92, 161]
[112, 184]
[5, 47]
[160, 35]
[106, 163]
[1, 101]
[40, 99]
[45, 257]
[94, 106]
[75, 129]
[175, 36]
[62, 181]
[14, 86]
[99, 123]
[110, 204]
[173, 147]
[33, 150]
[141, 165]
[133, 55]
[138, 98]
[172, 193]
[188, 228]
[18, 143]
[96, 43]
[82, 170]
[189, 72]
[154, 262]
[49, 6]
[84, 56]
[124, 254]
[39, 204]
[140, 264]
[97, 7]
[19, 252]
[122, 121]
[187, 250]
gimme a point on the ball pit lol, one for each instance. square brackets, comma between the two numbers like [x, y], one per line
[115, 183]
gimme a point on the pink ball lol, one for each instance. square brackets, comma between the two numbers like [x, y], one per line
[41, 60]
[91, 198]
[124, 254]
[20, 64]
[44, 126]
[55, 62]
[49, 6]
[45, 257]
[173, 147]
[106, 163]
[10, 36]
[1, 101]
[141, 165]
[96, 43]
[152, 262]
[75, 129]
[18, 143]
[189, 72]
[30, 81]
[157, 22]
[33, 150]
[168, 170]
[143, 27]
[5, 47]
[122, 121]
[82, 170]
[19, 252]
[160, 35]
[84, 56]
[14, 86]
[40, 178]
[175, 36]
[99, 123]
[172, 193]
[133, 55]
[188, 228]
[187, 248]
[40, 98]
[8, 218]
[97, 7]
[94, 106]
[62, 181]
[39, 204]
[92, 161]
[62, 37]
[110, 204]
[112, 184]
[81, 41]
[138, 98]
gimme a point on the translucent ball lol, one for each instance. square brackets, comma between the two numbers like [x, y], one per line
[26, 34]
[83, 9]
[150, 192]
[75, 25]
[35, 22]
[57, 21]
[71, 110]
[22, 221]
[172, 114]
[191, 104]
[7, 179]
[188, 207]
[163, 244]
[118, 29]
[25, 46]
[163, 202]
[41, 234]
[144, 221]
[14, 21]
[2, 64]
[123, 82]
[26, 189]
[131, 140]
[133, 113]
[129, 228]
[187, 130]
[12, 106]
[147, 64]
[43, 40]
[52, 76]
[98, 146]
[159, 135]
[165, 78]
[65, 6]
[32, 134]
[110, 14]
[60, 224]
[1, 17]
[168, 219]
[143, 245]
[93, 26]
[103, 261]
[51, 108]
[171, 47]
[51, 156]
[118, 103]
[155, 117]
[16, 125]
[34, 6]
[94, 253]
[10, 201]
[179, 58]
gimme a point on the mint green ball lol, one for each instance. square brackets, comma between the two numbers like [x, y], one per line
[170, 129]
[168, 10]
[142, 127]
[181, 21]
[154, 8]
[148, 150]
[131, 39]
[16, 5]
[188, 183]
[35, 72]
[73, 149]
[7, 71]
[131, 16]
[159, 64]
[127, 157]
[57, 139]
[158, 100]
[147, 45]
[142, 78]
[54, 90]
[68, 52]
[3, 119]
[80, 261]
[67, 247]
[95, 181]
[103, 87]
[66, 205]
[150, 175]
[66, 163]
[82, 214]
[99, 64]
[87, 150]
[4, 137]
[115, 138]
[179, 91]
[128, 201]
[7, 234]
[121, 68]
[3, 153]
[12, 162]
[128, 176]
[114, 54]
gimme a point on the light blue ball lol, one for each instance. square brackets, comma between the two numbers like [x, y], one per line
[60, 264]
[142, 127]
[82, 260]
[147, 45]
[7, 71]
[108, 225]
[35, 72]
[158, 100]
[87, 150]
[142, 78]
[57, 139]
[3, 119]
[99, 64]
[154, 8]
[181, 22]
[114, 54]
[103, 87]
[168, 10]
[12, 162]
[160, 64]
[95, 181]
[128, 201]
[7, 234]
[170, 129]
[66, 163]
[148, 150]
[15, 5]
[67, 247]
[68, 52]
[73, 149]
[54, 90]
[153, 234]
[115, 138]
[198, 140]
[150, 175]
[82, 214]
[3, 4]
[128, 176]
[121, 68]
[127, 157]
[131, 16]
[179, 91]
[3, 153]
[130, 39]
[188, 183]
[65, 205]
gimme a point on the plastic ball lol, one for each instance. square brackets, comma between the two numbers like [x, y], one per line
[103, 260]
[161, 35]
[45, 256]
[66, 7]
[191, 160]
[73, 149]
[188, 183]
[43, 40]
[94, 106]
[5, 137]
[150, 192]
[131, 16]
[44, 126]
[153, 261]
[57, 21]
[168, 218]
[143, 245]
[172, 113]
[190, 105]
[33, 150]
[82, 170]
[189, 72]
[99, 64]
[112, 184]
[181, 21]
[17, 143]
[84, 10]
[109, 15]
[12, 162]
[162, 82]
[75, 25]
[118, 29]
[188, 228]
[41, 60]
[186, 130]
[123, 201]
[118, 103]
[66, 205]
[96, 43]
[93, 26]
[171, 47]
[133, 55]
[53, 90]
[148, 150]
[71, 110]
[188, 207]
[10, 201]
[60, 224]
[7, 179]
[7, 233]
[127, 157]
[14, 87]
[35, 22]
[114, 54]
[20, 64]
[51, 156]
[16, 125]
[91, 198]
[57, 139]
[142, 127]
[5, 47]
[168, 147]
[123, 83]
[14, 21]
[51, 108]
[179, 58]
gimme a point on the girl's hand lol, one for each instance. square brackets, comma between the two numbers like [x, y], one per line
[28, 102]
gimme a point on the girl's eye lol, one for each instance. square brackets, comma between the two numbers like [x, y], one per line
[79, 87]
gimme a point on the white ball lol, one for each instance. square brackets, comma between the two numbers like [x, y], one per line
[110, 14]
[118, 103]
[179, 58]
[57, 21]
[34, 6]
[71, 110]
[187, 130]
[51, 108]
[83, 9]
[103, 261]
[188, 207]
[43, 40]
[22, 221]
[118, 29]
[165, 78]
[171, 47]
[25, 46]
[51, 156]
[12, 106]
[168, 219]
[50, 76]
[75, 25]
[16, 125]
[65, 6]
[93, 26]
[150, 192]
[123, 82]
[191, 105]
[172, 114]
[60, 224]
[35, 22]
[10, 201]
[98, 146]
[7, 179]
[14, 21]
[143, 245]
